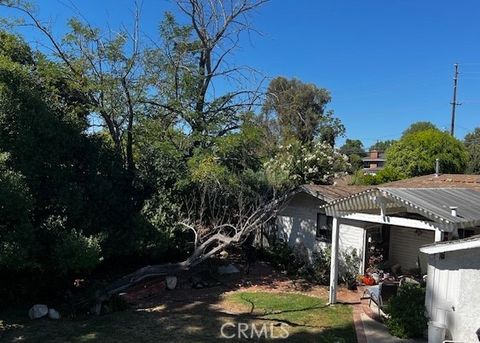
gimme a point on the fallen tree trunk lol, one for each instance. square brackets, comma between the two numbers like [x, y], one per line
[214, 244]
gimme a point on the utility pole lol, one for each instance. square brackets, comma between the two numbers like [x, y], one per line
[454, 102]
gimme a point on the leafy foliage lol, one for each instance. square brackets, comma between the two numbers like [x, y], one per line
[415, 153]
[419, 126]
[353, 148]
[63, 189]
[13, 47]
[297, 164]
[407, 312]
[296, 110]
[108, 145]
[296, 263]
[350, 263]
[472, 144]
[385, 175]
[72, 252]
[16, 229]
[382, 145]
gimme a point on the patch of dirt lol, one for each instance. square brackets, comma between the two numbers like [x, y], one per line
[261, 278]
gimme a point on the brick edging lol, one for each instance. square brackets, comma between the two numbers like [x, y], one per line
[357, 321]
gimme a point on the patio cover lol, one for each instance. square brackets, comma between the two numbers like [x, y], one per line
[433, 203]
[436, 204]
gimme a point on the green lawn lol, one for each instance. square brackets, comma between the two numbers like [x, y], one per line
[307, 319]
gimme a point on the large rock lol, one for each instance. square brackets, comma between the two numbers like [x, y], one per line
[38, 311]
[53, 314]
[223, 255]
[171, 282]
[230, 269]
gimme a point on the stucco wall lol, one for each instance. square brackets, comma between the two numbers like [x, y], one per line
[453, 293]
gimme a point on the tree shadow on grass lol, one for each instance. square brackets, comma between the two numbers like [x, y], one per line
[196, 322]
[183, 315]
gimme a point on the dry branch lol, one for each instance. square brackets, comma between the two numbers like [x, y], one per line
[206, 249]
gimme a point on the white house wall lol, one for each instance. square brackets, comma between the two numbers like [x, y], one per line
[297, 224]
[453, 295]
[351, 236]
[405, 244]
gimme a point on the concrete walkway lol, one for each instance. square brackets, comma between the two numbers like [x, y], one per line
[377, 332]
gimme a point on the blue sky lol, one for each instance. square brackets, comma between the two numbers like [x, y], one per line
[386, 63]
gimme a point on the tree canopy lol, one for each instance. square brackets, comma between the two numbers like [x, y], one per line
[472, 144]
[353, 148]
[415, 153]
[297, 110]
[382, 145]
[110, 141]
[419, 126]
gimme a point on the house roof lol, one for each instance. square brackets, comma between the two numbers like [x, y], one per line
[439, 201]
[440, 181]
[459, 244]
[432, 203]
[370, 159]
[331, 192]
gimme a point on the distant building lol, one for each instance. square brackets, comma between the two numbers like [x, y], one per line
[374, 162]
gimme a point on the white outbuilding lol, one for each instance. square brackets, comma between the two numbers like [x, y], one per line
[453, 289]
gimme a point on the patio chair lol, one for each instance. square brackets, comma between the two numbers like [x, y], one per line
[380, 294]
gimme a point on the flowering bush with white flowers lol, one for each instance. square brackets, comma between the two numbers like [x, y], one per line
[297, 164]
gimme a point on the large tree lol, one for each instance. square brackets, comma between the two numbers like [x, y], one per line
[382, 145]
[419, 126]
[353, 148]
[105, 67]
[297, 110]
[193, 60]
[472, 143]
[415, 153]
[61, 188]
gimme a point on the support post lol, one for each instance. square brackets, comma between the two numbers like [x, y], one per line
[438, 235]
[332, 296]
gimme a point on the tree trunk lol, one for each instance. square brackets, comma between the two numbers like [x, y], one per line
[214, 244]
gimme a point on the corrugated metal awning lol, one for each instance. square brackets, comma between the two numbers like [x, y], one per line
[433, 203]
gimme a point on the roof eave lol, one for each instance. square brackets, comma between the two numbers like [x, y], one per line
[442, 248]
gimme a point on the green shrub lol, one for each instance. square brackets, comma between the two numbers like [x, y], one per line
[350, 262]
[321, 266]
[16, 230]
[387, 174]
[295, 263]
[280, 255]
[72, 253]
[77, 254]
[407, 312]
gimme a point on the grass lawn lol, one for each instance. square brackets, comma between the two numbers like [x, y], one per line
[307, 319]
